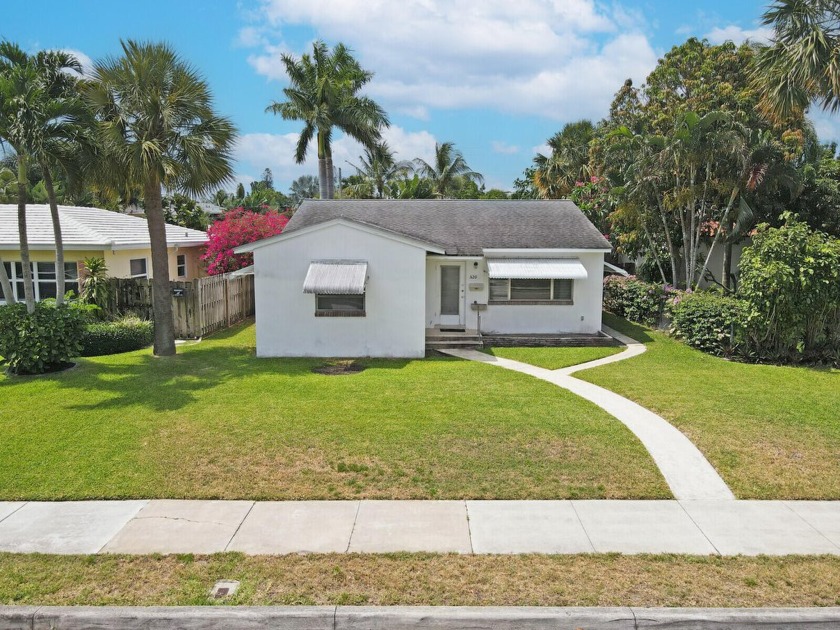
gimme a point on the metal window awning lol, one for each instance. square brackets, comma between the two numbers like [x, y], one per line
[336, 277]
[537, 268]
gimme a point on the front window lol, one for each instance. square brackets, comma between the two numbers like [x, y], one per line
[137, 267]
[529, 291]
[43, 279]
[181, 261]
[339, 305]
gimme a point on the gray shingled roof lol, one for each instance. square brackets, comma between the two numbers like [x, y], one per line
[464, 227]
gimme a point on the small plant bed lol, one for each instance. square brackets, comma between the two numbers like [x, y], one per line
[216, 422]
[553, 358]
[422, 579]
[337, 367]
[772, 432]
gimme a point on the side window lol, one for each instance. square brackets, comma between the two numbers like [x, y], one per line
[138, 268]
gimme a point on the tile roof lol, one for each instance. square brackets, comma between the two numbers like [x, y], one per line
[464, 227]
[86, 228]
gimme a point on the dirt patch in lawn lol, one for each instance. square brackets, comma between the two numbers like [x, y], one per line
[339, 367]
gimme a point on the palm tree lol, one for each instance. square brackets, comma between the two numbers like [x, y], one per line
[157, 127]
[802, 63]
[378, 168]
[556, 174]
[323, 93]
[448, 170]
[38, 109]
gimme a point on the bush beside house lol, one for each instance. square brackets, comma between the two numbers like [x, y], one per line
[786, 310]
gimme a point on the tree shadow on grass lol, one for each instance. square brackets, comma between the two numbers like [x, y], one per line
[170, 383]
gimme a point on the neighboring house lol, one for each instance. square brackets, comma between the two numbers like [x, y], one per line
[122, 240]
[351, 278]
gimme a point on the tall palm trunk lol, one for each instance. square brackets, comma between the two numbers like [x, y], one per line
[328, 167]
[59, 241]
[161, 299]
[323, 186]
[8, 294]
[28, 286]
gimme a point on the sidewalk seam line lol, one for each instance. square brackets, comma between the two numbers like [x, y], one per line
[808, 523]
[353, 529]
[241, 523]
[582, 526]
[145, 503]
[700, 529]
[469, 529]
[16, 510]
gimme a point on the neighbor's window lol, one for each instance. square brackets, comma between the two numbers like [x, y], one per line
[181, 261]
[138, 268]
[531, 290]
[340, 305]
[43, 278]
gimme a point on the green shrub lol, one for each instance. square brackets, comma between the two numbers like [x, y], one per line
[122, 335]
[790, 280]
[634, 299]
[707, 321]
[34, 343]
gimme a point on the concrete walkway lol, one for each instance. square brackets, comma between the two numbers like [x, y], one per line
[468, 527]
[688, 473]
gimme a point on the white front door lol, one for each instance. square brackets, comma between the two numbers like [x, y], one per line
[452, 294]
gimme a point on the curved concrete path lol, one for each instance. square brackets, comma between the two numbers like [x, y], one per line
[688, 473]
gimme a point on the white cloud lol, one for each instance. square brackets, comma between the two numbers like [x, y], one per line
[256, 151]
[562, 59]
[542, 149]
[734, 33]
[826, 124]
[504, 147]
[83, 59]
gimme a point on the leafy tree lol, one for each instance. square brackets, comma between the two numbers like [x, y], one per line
[790, 279]
[496, 193]
[267, 179]
[800, 65]
[448, 170]
[304, 187]
[238, 227]
[158, 129]
[181, 210]
[95, 286]
[819, 203]
[556, 174]
[240, 191]
[523, 187]
[415, 187]
[323, 93]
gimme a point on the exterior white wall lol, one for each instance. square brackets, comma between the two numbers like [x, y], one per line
[583, 316]
[394, 298]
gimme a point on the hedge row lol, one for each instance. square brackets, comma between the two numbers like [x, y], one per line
[122, 335]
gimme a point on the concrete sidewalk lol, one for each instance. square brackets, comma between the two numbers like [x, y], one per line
[478, 527]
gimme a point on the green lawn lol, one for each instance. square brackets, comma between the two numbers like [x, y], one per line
[421, 579]
[216, 422]
[772, 432]
[553, 358]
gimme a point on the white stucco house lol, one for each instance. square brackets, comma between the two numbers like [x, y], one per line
[358, 278]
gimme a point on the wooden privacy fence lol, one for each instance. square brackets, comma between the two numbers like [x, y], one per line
[199, 307]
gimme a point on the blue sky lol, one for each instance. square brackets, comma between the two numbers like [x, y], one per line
[494, 76]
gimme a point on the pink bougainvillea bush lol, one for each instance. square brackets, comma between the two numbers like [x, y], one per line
[238, 227]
